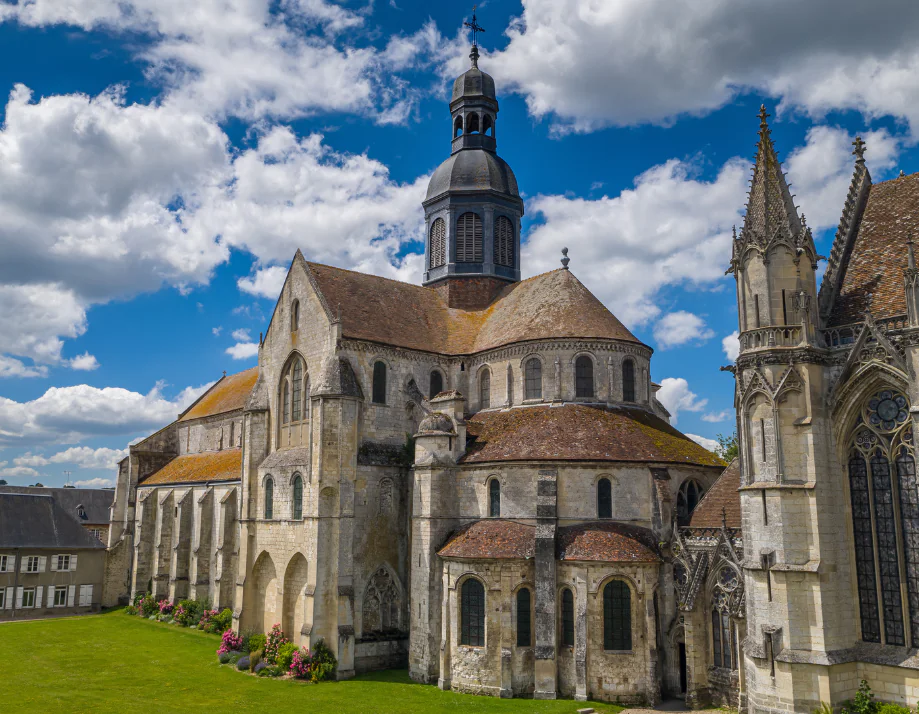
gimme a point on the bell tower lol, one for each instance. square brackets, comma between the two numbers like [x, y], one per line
[473, 207]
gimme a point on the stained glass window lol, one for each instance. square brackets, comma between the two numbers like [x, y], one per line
[523, 618]
[533, 378]
[909, 517]
[864, 548]
[617, 616]
[584, 377]
[886, 531]
[604, 498]
[472, 614]
[269, 499]
[567, 618]
[298, 497]
[379, 383]
[296, 390]
[485, 390]
[285, 403]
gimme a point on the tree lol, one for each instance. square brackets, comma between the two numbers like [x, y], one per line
[2, 482]
[727, 447]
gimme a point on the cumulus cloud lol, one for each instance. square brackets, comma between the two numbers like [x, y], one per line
[66, 415]
[243, 350]
[84, 362]
[715, 417]
[676, 396]
[11, 367]
[241, 335]
[17, 471]
[679, 328]
[265, 282]
[82, 456]
[704, 442]
[591, 64]
[731, 346]
[95, 483]
[217, 330]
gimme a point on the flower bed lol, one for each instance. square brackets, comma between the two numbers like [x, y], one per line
[276, 656]
[185, 613]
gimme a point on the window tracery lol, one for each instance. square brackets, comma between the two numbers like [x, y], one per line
[382, 608]
[533, 379]
[294, 404]
[725, 595]
[687, 499]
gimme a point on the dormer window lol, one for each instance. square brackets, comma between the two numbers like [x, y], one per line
[81, 512]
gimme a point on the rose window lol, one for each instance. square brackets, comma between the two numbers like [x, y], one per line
[887, 410]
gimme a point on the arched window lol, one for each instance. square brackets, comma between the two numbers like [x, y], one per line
[722, 640]
[294, 407]
[524, 638]
[628, 381]
[687, 499]
[533, 377]
[617, 616]
[298, 497]
[295, 316]
[379, 383]
[269, 499]
[504, 241]
[885, 500]
[485, 390]
[488, 126]
[584, 377]
[472, 614]
[437, 384]
[604, 498]
[458, 127]
[438, 243]
[494, 498]
[469, 238]
[296, 390]
[472, 124]
[567, 618]
[285, 403]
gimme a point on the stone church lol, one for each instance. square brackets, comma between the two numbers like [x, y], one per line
[473, 477]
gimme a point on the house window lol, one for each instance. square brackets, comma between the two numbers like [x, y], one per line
[28, 597]
[60, 596]
[628, 381]
[379, 383]
[469, 238]
[494, 498]
[32, 564]
[438, 243]
[295, 316]
[584, 377]
[617, 616]
[63, 562]
[604, 498]
[437, 383]
[96, 533]
[4, 560]
[298, 497]
[269, 499]
[485, 390]
[687, 499]
[472, 614]
[567, 618]
[523, 618]
[504, 242]
[533, 378]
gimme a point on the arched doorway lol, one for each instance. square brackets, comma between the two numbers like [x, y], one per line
[265, 609]
[294, 598]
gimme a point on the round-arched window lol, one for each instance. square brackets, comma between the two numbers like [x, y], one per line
[438, 250]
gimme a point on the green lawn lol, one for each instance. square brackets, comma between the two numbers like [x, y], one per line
[116, 663]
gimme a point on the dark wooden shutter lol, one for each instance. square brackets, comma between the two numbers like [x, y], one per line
[438, 248]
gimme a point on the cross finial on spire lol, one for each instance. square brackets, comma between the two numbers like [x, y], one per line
[763, 116]
[476, 28]
[565, 258]
[859, 151]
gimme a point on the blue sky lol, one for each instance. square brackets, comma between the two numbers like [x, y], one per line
[159, 166]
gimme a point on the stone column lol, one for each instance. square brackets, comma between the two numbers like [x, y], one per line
[546, 522]
[203, 527]
[446, 640]
[142, 570]
[163, 544]
[580, 636]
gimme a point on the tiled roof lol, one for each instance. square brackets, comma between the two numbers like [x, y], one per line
[548, 306]
[608, 542]
[223, 465]
[578, 432]
[722, 495]
[32, 521]
[228, 394]
[491, 538]
[879, 254]
[96, 502]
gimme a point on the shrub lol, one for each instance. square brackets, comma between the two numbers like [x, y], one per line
[254, 642]
[254, 659]
[260, 667]
[286, 655]
[300, 664]
[230, 642]
[893, 709]
[188, 612]
[235, 657]
[324, 663]
[863, 703]
[137, 598]
[242, 664]
[273, 643]
[224, 620]
[223, 657]
[165, 607]
[147, 606]
[130, 610]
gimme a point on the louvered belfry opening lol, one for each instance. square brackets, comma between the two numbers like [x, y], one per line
[504, 242]
[469, 238]
[438, 243]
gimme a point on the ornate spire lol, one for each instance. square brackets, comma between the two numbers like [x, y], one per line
[859, 151]
[770, 206]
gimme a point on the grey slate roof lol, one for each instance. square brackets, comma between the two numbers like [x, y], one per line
[473, 83]
[32, 521]
[96, 502]
[473, 170]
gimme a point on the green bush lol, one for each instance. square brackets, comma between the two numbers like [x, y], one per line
[255, 658]
[893, 709]
[270, 671]
[188, 612]
[324, 663]
[235, 657]
[285, 656]
[223, 621]
[243, 663]
[130, 610]
[224, 657]
[254, 642]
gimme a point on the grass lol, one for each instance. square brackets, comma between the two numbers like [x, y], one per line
[116, 663]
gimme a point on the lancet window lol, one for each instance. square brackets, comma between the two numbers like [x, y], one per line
[382, 607]
[294, 405]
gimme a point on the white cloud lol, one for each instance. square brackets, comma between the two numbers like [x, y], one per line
[95, 483]
[66, 415]
[82, 456]
[731, 346]
[676, 396]
[11, 367]
[265, 282]
[704, 442]
[243, 350]
[17, 472]
[592, 63]
[241, 335]
[672, 228]
[715, 417]
[679, 328]
[217, 330]
[84, 362]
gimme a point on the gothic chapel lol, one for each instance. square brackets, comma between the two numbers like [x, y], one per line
[472, 477]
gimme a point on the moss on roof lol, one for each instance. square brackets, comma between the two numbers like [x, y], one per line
[228, 394]
[223, 465]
